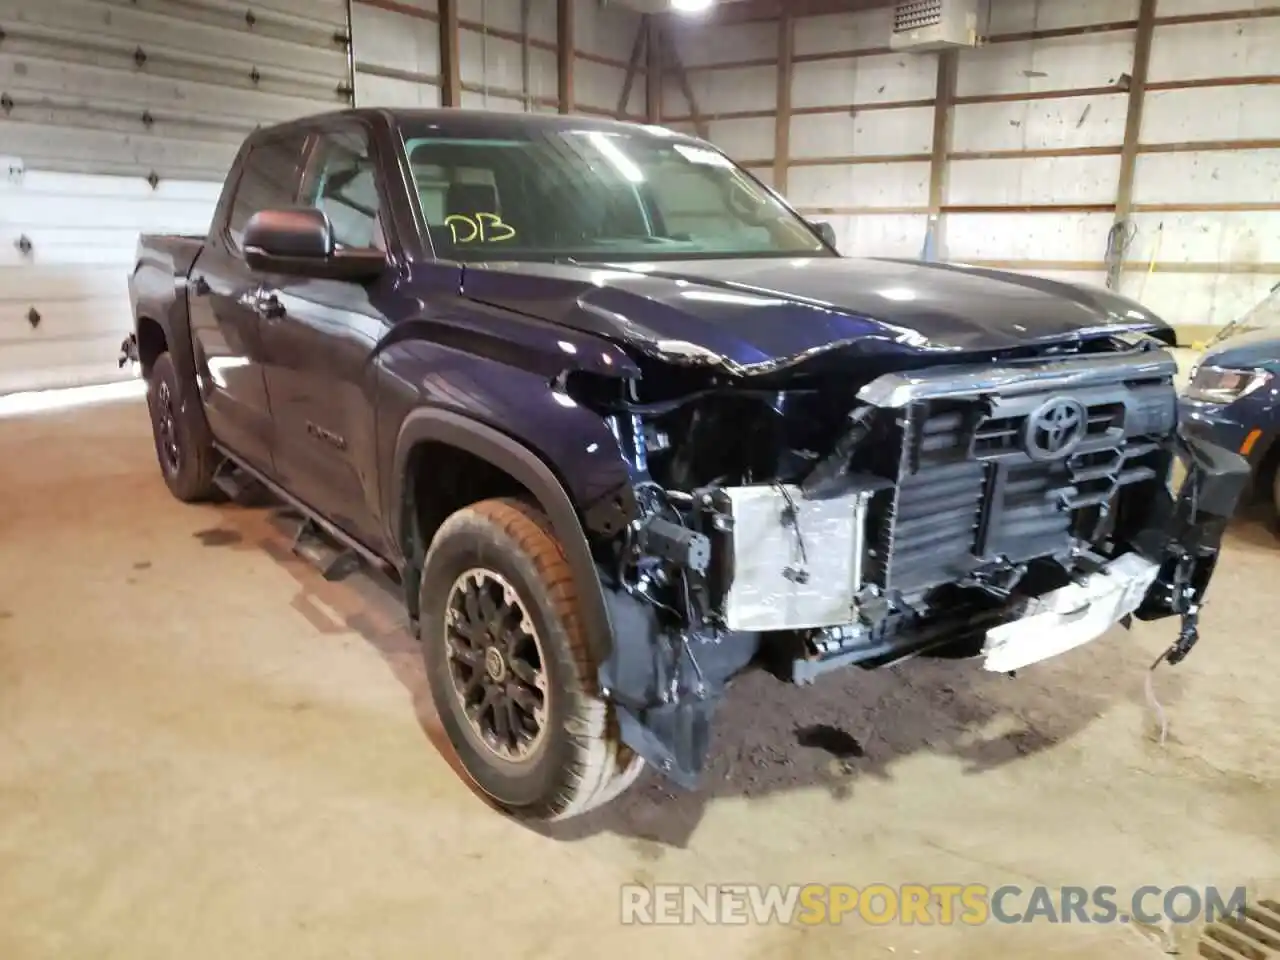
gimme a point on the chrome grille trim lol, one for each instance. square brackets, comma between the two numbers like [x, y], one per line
[894, 390]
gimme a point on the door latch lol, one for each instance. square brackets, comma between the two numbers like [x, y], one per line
[264, 304]
[270, 307]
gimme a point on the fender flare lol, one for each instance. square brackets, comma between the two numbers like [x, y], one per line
[175, 324]
[531, 471]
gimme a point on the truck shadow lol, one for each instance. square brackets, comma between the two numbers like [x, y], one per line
[772, 737]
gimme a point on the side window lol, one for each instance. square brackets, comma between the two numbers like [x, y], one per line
[269, 180]
[340, 181]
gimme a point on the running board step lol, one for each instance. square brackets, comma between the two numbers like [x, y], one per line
[239, 486]
[334, 562]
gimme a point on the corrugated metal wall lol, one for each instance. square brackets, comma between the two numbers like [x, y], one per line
[121, 116]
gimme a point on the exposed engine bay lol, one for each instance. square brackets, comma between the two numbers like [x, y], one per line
[1009, 510]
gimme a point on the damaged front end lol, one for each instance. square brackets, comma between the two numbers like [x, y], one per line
[817, 515]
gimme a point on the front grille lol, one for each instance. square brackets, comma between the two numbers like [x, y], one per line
[1001, 435]
[969, 494]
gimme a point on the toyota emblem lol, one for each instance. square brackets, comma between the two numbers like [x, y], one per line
[1055, 429]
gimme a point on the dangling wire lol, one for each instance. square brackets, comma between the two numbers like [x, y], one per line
[791, 518]
[1149, 686]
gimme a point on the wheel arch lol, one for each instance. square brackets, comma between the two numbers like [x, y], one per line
[153, 340]
[524, 466]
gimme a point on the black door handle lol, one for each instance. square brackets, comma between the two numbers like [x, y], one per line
[201, 286]
[270, 307]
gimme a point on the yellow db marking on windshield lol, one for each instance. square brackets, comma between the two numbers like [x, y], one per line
[490, 222]
[482, 228]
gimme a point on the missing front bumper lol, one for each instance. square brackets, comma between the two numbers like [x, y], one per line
[1166, 576]
[1071, 616]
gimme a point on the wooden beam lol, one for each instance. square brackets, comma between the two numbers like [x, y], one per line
[564, 53]
[782, 119]
[672, 57]
[943, 103]
[943, 109]
[633, 67]
[653, 70]
[450, 60]
[526, 65]
[1132, 133]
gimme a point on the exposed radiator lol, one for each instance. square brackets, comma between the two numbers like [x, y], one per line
[970, 493]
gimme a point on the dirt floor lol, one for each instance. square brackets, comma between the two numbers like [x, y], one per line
[208, 752]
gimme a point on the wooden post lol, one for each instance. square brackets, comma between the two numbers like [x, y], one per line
[672, 56]
[633, 67]
[653, 70]
[782, 114]
[564, 53]
[450, 61]
[943, 110]
[1132, 137]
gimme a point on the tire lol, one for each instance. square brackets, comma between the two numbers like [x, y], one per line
[557, 754]
[184, 448]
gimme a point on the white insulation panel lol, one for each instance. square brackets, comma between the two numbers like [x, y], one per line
[123, 118]
[82, 230]
[118, 86]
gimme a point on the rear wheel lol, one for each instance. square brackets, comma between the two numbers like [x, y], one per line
[511, 673]
[184, 448]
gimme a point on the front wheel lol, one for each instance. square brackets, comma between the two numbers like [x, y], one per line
[183, 445]
[510, 670]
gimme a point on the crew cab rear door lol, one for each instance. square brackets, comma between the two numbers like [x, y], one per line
[224, 300]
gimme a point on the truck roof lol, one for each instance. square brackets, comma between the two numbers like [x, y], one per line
[478, 122]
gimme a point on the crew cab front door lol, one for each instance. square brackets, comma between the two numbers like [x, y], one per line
[319, 339]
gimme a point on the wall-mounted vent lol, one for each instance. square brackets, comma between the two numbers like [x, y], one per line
[923, 25]
[916, 14]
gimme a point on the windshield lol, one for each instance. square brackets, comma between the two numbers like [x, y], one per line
[563, 194]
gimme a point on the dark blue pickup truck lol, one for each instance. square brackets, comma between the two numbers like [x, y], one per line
[623, 424]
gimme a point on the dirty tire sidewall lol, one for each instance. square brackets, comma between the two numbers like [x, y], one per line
[193, 479]
[490, 536]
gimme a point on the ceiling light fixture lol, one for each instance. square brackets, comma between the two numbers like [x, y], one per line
[691, 6]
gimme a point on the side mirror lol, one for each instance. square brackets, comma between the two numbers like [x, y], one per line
[826, 231]
[299, 241]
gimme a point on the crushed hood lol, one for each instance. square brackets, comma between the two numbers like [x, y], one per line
[758, 314]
